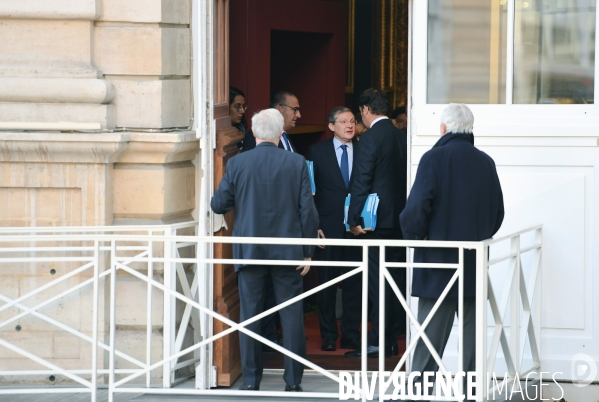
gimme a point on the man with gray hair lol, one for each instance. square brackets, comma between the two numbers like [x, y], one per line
[456, 196]
[270, 190]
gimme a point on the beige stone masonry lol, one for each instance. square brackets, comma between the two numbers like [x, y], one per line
[142, 50]
[152, 102]
[164, 160]
[50, 44]
[166, 11]
[50, 9]
[56, 90]
[58, 112]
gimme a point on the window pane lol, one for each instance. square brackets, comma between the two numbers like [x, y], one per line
[554, 51]
[466, 51]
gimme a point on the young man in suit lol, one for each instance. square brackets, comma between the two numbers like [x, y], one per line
[288, 105]
[271, 192]
[381, 169]
[333, 164]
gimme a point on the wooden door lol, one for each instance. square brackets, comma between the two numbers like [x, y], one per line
[226, 355]
[254, 25]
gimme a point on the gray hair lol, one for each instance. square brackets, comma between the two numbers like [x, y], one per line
[458, 118]
[336, 111]
[267, 124]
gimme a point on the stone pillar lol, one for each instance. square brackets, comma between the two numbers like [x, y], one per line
[47, 72]
[124, 65]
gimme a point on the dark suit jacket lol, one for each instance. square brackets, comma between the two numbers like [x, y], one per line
[330, 187]
[249, 142]
[272, 196]
[456, 196]
[381, 169]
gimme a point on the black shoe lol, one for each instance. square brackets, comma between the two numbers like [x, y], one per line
[358, 353]
[293, 388]
[329, 345]
[350, 344]
[246, 387]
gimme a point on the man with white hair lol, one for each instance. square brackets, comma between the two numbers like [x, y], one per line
[272, 196]
[456, 196]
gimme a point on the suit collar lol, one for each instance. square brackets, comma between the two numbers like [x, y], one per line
[450, 137]
[266, 144]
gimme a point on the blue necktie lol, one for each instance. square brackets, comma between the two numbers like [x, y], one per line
[344, 165]
[287, 144]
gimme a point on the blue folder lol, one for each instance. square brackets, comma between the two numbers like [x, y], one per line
[311, 173]
[368, 215]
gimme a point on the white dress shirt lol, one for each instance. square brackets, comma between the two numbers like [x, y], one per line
[377, 120]
[339, 152]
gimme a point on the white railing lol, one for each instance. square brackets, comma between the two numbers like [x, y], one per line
[135, 255]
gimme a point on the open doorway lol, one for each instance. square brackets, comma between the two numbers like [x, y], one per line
[326, 52]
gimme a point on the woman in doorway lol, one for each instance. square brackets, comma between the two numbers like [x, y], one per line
[237, 108]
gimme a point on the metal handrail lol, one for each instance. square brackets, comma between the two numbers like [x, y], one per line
[109, 243]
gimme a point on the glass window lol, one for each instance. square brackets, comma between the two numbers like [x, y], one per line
[554, 51]
[466, 51]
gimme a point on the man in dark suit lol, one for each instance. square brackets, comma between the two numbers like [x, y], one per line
[381, 169]
[288, 105]
[272, 196]
[456, 196]
[333, 165]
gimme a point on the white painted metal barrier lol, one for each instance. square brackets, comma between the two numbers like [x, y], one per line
[108, 253]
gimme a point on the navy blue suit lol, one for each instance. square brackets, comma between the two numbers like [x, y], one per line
[249, 142]
[382, 169]
[330, 201]
[270, 190]
[456, 196]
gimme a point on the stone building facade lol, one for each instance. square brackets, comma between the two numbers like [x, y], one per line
[96, 114]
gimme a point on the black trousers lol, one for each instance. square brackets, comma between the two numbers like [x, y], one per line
[395, 315]
[438, 331]
[351, 294]
[287, 283]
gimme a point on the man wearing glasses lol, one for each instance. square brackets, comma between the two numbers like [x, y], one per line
[334, 160]
[288, 105]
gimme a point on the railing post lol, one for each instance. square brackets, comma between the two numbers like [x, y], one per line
[538, 299]
[382, 267]
[95, 303]
[168, 334]
[482, 282]
[112, 320]
[149, 309]
[515, 308]
[364, 345]
[461, 318]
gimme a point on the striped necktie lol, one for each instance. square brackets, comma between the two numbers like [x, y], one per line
[286, 142]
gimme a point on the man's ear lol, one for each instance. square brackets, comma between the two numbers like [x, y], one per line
[332, 127]
[443, 129]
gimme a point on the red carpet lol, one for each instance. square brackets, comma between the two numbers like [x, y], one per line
[330, 360]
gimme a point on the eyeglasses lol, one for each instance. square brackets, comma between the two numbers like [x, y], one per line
[295, 109]
[346, 122]
[240, 107]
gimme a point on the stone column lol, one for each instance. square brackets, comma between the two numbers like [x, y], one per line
[46, 64]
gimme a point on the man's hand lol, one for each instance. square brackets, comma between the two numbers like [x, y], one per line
[305, 268]
[321, 236]
[357, 230]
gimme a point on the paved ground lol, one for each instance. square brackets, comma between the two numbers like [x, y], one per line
[270, 382]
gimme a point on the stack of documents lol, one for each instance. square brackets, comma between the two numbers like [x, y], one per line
[368, 216]
[311, 173]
